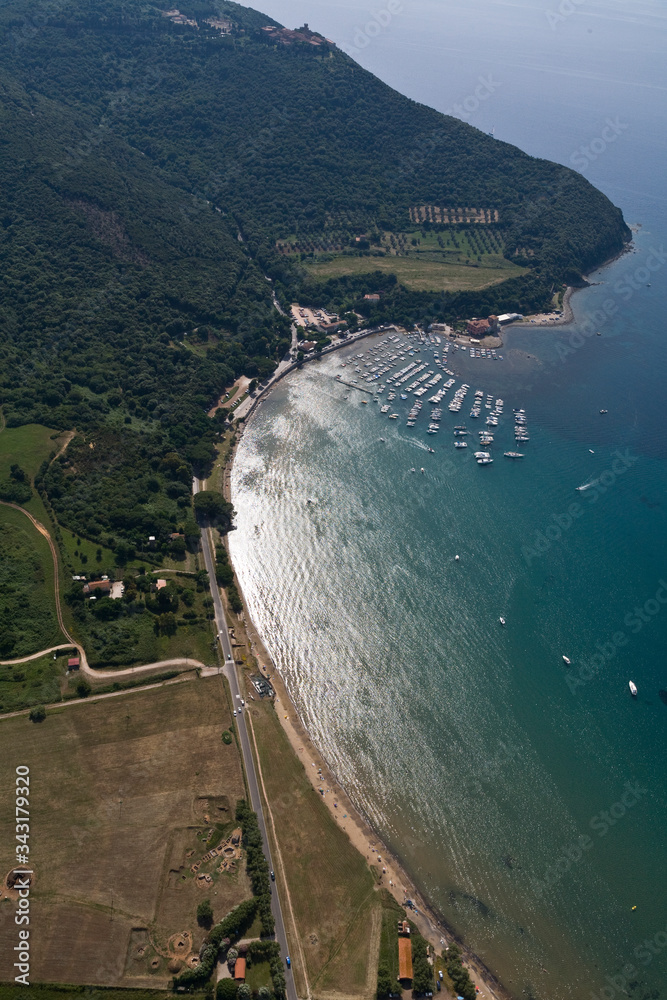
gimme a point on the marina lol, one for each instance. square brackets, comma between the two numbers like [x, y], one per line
[384, 367]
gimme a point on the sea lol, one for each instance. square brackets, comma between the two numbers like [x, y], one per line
[525, 796]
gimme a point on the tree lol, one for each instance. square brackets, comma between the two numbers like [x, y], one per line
[384, 985]
[227, 990]
[244, 992]
[205, 913]
[37, 714]
[83, 688]
[167, 623]
[213, 507]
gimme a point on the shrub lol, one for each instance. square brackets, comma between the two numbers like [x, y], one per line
[83, 688]
[256, 864]
[232, 927]
[458, 975]
[234, 598]
[205, 913]
[227, 990]
[37, 714]
[384, 985]
[422, 981]
[227, 737]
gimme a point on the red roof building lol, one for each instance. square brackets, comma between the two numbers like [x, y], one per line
[404, 958]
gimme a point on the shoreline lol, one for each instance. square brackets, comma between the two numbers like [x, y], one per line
[364, 837]
[392, 874]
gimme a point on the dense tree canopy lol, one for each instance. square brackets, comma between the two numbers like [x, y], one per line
[149, 171]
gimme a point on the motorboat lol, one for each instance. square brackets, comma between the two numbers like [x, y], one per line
[566, 659]
[502, 621]
[633, 688]
[513, 454]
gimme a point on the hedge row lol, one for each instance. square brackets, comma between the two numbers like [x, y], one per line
[256, 864]
[422, 981]
[230, 929]
[269, 951]
[458, 975]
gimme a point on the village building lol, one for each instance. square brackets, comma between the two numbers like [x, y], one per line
[101, 587]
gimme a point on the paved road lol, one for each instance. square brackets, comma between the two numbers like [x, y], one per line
[248, 760]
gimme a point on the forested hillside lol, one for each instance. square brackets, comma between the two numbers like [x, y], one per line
[149, 170]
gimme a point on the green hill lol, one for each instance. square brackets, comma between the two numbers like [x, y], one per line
[156, 174]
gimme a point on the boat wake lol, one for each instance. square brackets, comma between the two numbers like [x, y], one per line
[587, 486]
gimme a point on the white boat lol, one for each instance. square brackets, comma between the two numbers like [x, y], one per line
[513, 454]
[587, 486]
[633, 688]
[566, 659]
[460, 444]
[502, 621]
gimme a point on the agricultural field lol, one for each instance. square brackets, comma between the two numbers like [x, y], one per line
[126, 794]
[426, 260]
[420, 273]
[28, 621]
[336, 907]
[48, 991]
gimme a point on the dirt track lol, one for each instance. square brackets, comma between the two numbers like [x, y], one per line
[84, 665]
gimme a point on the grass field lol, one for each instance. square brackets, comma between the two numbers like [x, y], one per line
[28, 447]
[123, 794]
[27, 599]
[133, 639]
[422, 272]
[84, 557]
[391, 914]
[35, 682]
[337, 909]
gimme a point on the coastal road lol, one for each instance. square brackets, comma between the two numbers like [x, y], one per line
[248, 759]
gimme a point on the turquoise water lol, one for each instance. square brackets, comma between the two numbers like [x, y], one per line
[530, 811]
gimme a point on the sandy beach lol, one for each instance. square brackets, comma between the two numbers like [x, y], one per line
[363, 837]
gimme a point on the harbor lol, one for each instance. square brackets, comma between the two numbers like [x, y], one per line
[384, 373]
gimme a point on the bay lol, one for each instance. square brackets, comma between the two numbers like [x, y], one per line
[502, 787]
